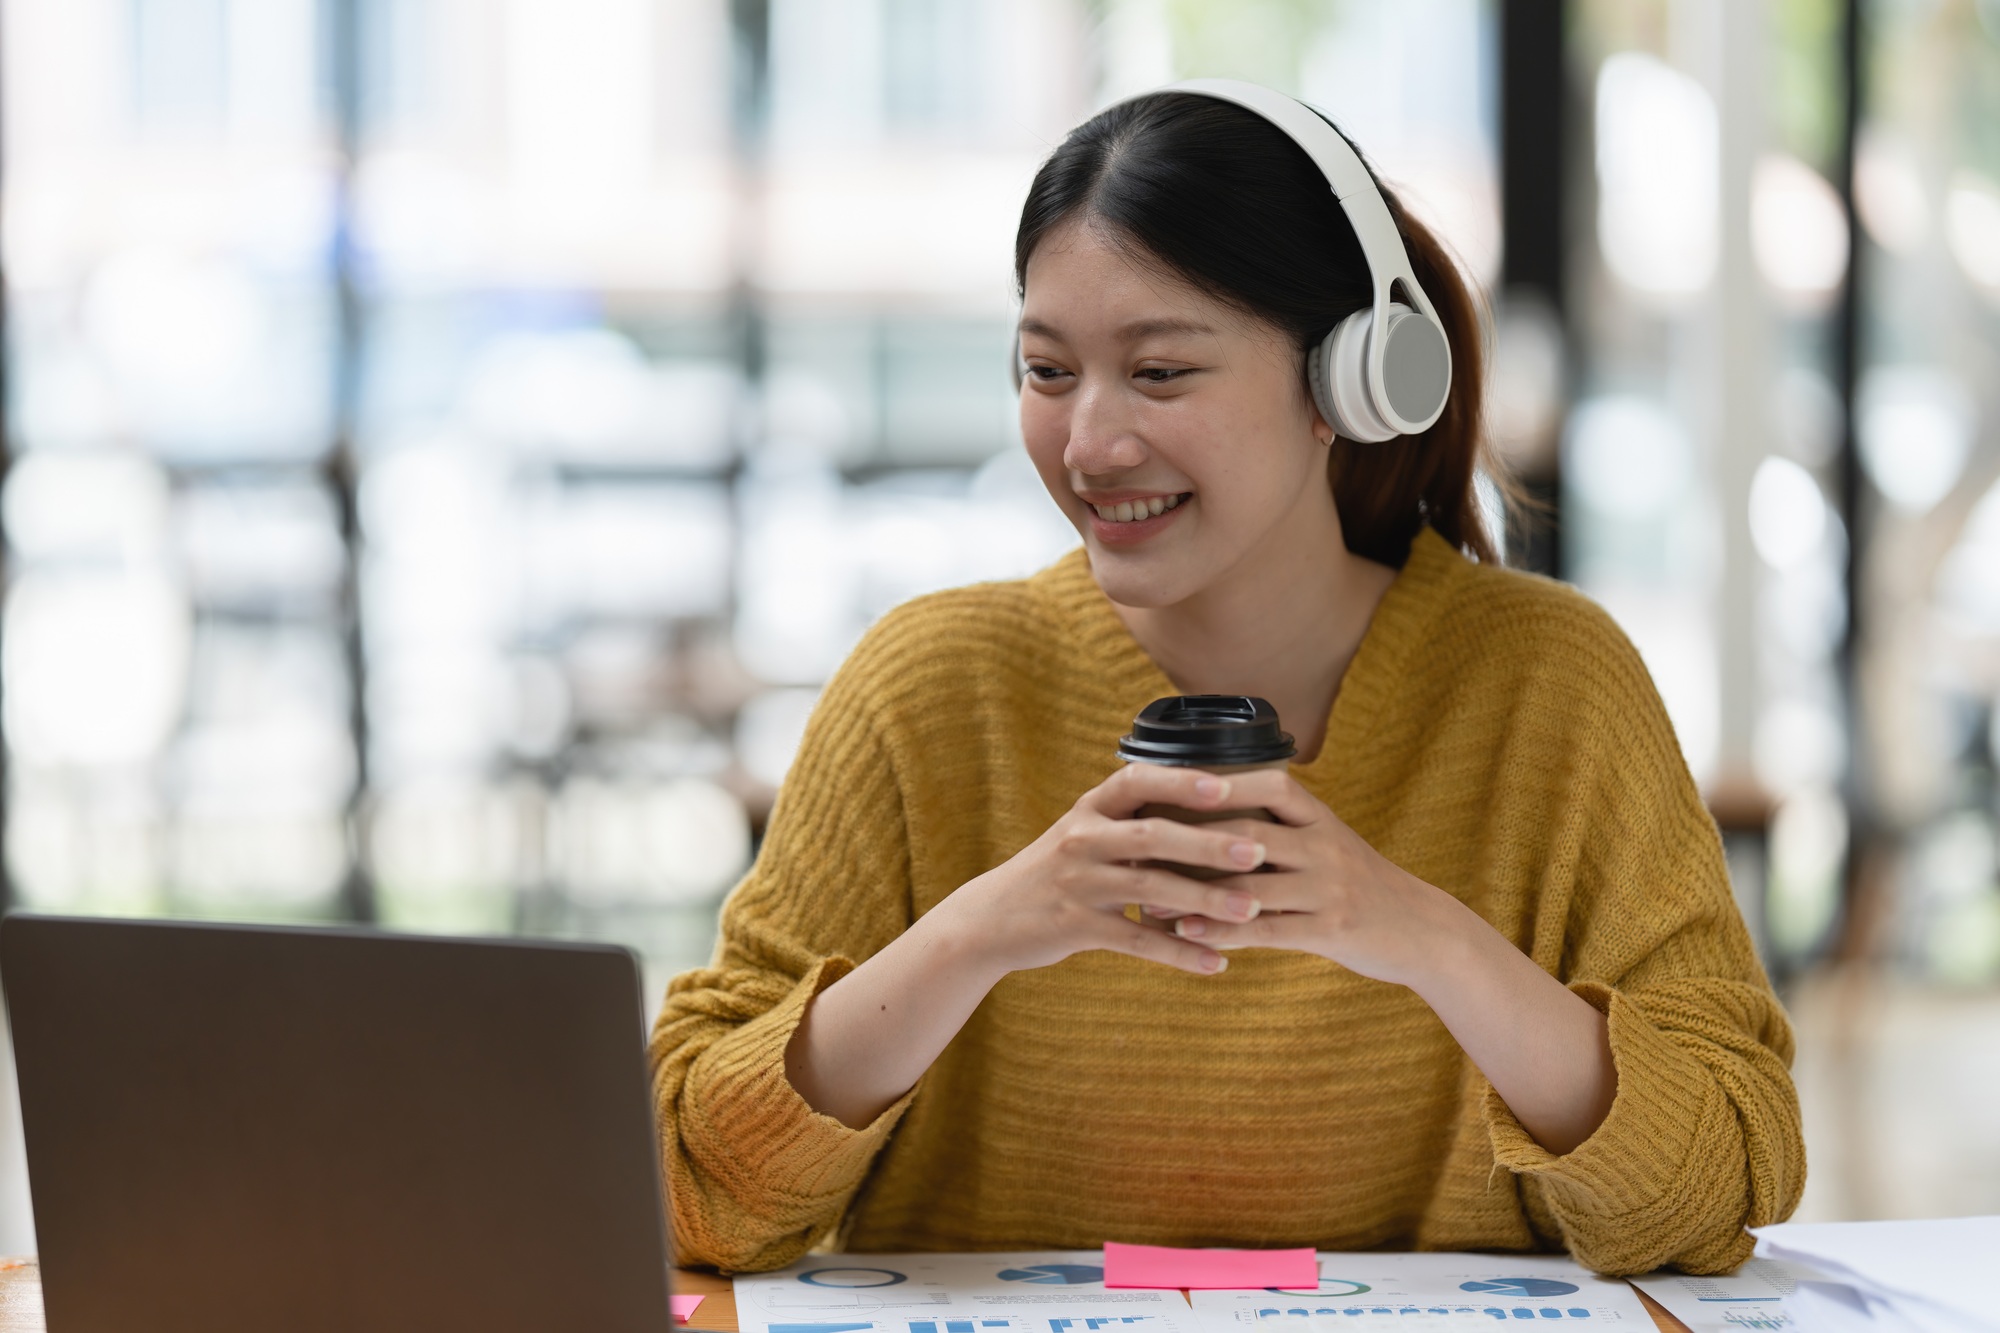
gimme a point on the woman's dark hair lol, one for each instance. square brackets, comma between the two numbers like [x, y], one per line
[1227, 201]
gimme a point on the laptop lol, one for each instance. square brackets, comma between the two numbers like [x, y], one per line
[242, 1128]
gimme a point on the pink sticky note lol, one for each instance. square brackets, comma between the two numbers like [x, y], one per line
[1210, 1270]
[684, 1306]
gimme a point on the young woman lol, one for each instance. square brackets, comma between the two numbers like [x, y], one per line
[1482, 986]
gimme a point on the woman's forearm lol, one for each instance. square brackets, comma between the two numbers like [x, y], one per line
[1545, 1050]
[867, 1038]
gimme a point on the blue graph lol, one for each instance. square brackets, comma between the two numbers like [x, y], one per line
[1520, 1286]
[1054, 1275]
[822, 1328]
[1488, 1312]
[957, 1325]
[852, 1279]
[1096, 1323]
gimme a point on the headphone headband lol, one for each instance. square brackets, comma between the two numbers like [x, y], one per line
[1384, 371]
[1388, 265]
[1352, 183]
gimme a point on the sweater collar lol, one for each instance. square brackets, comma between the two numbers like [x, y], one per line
[1402, 622]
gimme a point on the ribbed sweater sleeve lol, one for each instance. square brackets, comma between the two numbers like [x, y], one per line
[755, 1177]
[1703, 1137]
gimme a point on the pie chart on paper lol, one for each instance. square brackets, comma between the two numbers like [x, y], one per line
[1520, 1286]
[851, 1279]
[1054, 1275]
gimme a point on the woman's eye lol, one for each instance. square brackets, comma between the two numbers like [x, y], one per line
[1160, 375]
[1046, 373]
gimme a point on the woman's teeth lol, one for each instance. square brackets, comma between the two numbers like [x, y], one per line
[1129, 511]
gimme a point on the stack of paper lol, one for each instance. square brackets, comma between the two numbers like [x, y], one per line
[1928, 1277]
[1068, 1292]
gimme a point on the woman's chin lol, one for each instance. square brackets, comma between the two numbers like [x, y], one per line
[1144, 580]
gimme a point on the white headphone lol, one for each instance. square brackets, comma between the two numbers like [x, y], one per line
[1385, 370]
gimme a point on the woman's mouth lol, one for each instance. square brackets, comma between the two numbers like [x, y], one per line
[1131, 511]
[1130, 521]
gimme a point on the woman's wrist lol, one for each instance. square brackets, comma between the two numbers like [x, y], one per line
[1449, 944]
[1543, 1048]
[958, 944]
[865, 1040]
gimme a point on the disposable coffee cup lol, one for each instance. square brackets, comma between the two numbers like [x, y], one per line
[1217, 733]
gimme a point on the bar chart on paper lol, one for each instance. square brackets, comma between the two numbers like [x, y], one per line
[1753, 1298]
[1431, 1291]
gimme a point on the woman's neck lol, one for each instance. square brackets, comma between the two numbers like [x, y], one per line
[1282, 625]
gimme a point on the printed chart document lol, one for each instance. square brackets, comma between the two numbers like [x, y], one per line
[1758, 1295]
[1423, 1291]
[1059, 1291]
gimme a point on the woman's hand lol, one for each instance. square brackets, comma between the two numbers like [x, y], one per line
[1546, 1051]
[1067, 891]
[1325, 891]
[866, 1039]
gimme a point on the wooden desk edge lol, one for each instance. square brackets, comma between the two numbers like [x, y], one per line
[21, 1300]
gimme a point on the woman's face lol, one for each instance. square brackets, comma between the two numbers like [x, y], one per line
[1174, 430]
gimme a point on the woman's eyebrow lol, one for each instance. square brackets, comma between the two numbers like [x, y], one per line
[1153, 328]
[1138, 328]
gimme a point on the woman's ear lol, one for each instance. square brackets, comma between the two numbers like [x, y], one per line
[1321, 431]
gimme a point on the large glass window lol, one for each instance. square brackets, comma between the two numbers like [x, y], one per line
[456, 442]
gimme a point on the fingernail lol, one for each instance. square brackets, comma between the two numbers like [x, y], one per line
[1215, 963]
[1243, 905]
[1190, 928]
[1249, 855]
[1213, 789]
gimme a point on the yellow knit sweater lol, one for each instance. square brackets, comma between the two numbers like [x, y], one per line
[1496, 735]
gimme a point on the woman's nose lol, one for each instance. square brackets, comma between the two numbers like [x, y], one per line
[1102, 435]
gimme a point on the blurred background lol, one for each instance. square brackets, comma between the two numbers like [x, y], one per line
[448, 442]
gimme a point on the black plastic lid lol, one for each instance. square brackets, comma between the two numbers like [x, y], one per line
[1202, 729]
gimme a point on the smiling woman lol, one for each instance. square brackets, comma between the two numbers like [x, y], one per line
[1478, 982]
[1160, 181]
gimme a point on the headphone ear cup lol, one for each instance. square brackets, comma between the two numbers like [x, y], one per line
[1338, 373]
[1320, 381]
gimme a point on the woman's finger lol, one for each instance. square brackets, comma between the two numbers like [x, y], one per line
[1156, 945]
[1186, 844]
[1279, 792]
[1120, 795]
[1271, 930]
[1276, 890]
[1285, 847]
[1115, 885]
